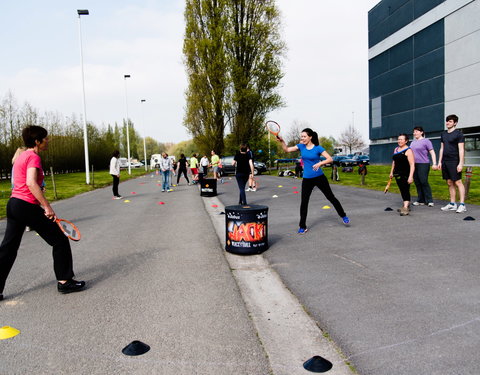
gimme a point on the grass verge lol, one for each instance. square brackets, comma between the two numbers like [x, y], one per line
[68, 185]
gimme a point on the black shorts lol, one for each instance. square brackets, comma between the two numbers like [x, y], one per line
[449, 171]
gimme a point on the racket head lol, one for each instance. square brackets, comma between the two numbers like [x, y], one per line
[69, 229]
[273, 127]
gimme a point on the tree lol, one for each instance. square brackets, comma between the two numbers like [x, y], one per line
[254, 48]
[351, 138]
[232, 54]
[206, 66]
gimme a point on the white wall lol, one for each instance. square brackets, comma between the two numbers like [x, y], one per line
[462, 64]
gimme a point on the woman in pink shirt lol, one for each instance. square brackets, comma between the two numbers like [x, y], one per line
[28, 206]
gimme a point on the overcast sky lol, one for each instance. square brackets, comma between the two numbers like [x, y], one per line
[326, 69]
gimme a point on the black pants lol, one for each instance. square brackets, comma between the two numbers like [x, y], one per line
[116, 181]
[19, 215]
[404, 186]
[242, 179]
[184, 171]
[420, 177]
[307, 187]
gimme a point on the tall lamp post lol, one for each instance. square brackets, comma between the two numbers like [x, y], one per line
[144, 144]
[84, 12]
[126, 121]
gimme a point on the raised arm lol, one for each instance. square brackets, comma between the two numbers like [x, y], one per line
[285, 147]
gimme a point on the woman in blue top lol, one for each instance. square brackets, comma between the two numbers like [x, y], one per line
[313, 175]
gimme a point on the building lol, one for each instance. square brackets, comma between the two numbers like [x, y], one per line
[424, 64]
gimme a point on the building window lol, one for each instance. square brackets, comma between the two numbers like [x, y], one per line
[377, 112]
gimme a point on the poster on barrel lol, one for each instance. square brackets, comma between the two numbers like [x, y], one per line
[246, 229]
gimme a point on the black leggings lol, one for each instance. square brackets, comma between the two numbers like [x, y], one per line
[184, 171]
[404, 186]
[307, 187]
[116, 181]
[19, 215]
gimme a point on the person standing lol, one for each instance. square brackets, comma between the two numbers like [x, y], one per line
[204, 164]
[182, 168]
[421, 148]
[451, 159]
[166, 166]
[194, 168]
[28, 206]
[244, 168]
[115, 173]
[313, 175]
[403, 167]
[215, 163]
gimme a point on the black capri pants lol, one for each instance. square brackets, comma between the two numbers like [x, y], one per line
[404, 186]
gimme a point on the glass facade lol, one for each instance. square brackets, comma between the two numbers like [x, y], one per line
[406, 82]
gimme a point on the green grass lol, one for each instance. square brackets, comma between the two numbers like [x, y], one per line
[68, 185]
[377, 178]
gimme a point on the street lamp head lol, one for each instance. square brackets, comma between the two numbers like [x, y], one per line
[82, 12]
[126, 76]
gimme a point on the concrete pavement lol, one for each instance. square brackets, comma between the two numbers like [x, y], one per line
[155, 273]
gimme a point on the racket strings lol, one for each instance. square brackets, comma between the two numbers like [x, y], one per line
[273, 127]
[70, 230]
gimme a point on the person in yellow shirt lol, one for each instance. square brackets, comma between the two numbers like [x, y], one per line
[194, 168]
[214, 162]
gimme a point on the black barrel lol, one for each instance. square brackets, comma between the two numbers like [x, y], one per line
[246, 229]
[208, 187]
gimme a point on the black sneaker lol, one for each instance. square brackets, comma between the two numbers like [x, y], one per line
[70, 286]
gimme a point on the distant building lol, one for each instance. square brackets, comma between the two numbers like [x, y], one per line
[424, 64]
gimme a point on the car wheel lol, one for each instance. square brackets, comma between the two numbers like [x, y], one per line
[255, 171]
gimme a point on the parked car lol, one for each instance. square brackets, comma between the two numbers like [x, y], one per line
[136, 164]
[123, 162]
[228, 168]
[355, 160]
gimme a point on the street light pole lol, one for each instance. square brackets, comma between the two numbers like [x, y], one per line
[144, 132]
[126, 122]
[84, 12]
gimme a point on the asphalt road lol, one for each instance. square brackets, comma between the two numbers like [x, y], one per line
[155, 273]
[398, 295]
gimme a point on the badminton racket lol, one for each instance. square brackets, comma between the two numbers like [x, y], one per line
[69, 229]
[388, 185]
[273, 127]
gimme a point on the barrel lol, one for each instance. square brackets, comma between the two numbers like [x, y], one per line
[246, 229]
[208, 187]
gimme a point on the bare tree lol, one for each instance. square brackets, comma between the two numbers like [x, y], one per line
[351, 138]
[292, 137]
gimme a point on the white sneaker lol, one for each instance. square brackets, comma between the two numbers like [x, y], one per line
[461, 208]
[418, 204]
[248, 189]
[254, 189]
[449, 207]
[431, 204]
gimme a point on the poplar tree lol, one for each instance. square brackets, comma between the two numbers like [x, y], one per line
[233, 52]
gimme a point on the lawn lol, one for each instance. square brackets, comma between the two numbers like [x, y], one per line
[68, 185]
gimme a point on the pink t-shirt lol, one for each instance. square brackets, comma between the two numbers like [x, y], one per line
[27, 159]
